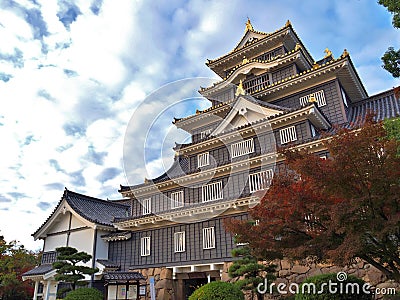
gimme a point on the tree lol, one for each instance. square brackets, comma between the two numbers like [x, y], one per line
[14, 261]
[251, 272]
[391, 58]
[336, 209]
[69, 266]
[217, 290]
[84, 294]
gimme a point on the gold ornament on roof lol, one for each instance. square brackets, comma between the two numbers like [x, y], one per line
[328, 53]
[288, 23]
[315, 65]
[297, 47]
[245, 60]
[198, 111]
[312, 99]
[240, 89]
[146, 180]
[248, 25]
[345, 53]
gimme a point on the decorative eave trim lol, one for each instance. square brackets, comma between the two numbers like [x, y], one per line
[239, 52]
[206, 174]
[122, 237]
[272, 63]
[191, 212]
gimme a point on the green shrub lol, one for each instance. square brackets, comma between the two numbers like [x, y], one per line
[217, 290]
[327, 295]
[84, 294]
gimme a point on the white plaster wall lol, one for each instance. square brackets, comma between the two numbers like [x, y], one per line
[102, 246]
[77, 223]
[55, 241]
[82, 240]
[52, 290]
[61, 223]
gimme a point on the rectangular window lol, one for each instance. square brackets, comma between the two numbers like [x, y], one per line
[212, 191]
[319, 97]
[208, 238]
[205, 133]
[145, 246]
[146, 206]
[313, 130]
[288, 134]
[260, 180]
[177, 199]
[203, 159]
[179, 241]
[242, 148]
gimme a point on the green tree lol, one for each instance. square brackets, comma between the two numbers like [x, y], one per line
[217, 290]
[391, 58]
[70, 268]
[84, 294]
[249, 271]
[14, 261]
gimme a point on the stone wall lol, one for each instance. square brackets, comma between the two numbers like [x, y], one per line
[288, 272]
[164, 285]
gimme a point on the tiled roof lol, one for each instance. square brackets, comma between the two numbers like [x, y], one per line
[40, 270]
[108, 263]
[125, 276]
[94, 210]
[384, 105]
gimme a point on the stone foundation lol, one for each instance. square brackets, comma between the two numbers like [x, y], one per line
[288, 272]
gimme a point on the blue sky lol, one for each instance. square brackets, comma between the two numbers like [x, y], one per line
[73, 72]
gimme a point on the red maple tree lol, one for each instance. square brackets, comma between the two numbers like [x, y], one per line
[334, 209]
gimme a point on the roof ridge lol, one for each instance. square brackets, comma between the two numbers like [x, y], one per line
[108, 202]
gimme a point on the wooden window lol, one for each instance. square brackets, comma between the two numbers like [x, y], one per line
[208, 238]
[205, 133]
[242, 148]
[203, 159]
[145, 246]
[319, 96]
[177, 199]
[212, 191]
[260, 180]
[313, 130]
[288, 134]
[179, 241]
[146, 206]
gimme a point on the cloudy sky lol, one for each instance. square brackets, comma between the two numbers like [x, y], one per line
[73, 72]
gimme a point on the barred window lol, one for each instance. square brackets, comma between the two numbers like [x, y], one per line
[205, 133]
[208, 238]
[203, 159]
[145, 246]
[179, 241]
[146, 206]
[242, 148]
[212, 191]
[319, 97]
[288, 134]
[260, 180]
[177, 199]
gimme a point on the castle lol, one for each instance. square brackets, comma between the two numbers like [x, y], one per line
[167, 236]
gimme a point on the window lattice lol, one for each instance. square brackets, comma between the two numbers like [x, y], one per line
[145, 246]
[242, 148]
[212, 191]
[203, 159]
[260, 180]
[208, 238]
[319, 97]
[177, 199]
[288, 134]
[179, 241]
[146, 206]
